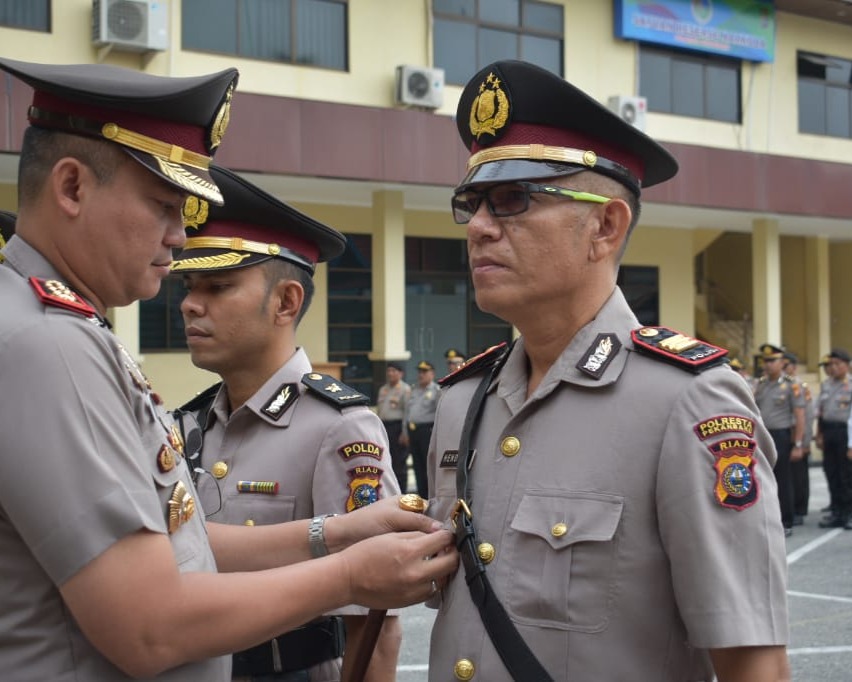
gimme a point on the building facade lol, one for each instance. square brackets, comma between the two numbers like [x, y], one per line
[345, 108]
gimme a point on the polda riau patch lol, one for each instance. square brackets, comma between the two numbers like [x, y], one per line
[364, 486]
[361, 448]
[736, 482]
[597, 358]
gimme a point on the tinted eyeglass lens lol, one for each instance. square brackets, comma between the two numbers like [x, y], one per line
[507, 200]
[465, 204]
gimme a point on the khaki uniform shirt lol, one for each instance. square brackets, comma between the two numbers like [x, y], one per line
[620, 552]
[393, 401]
[777, 400]
[422, 405]
[88, 458]
[810, 415]
[835, 400]
[322, 459]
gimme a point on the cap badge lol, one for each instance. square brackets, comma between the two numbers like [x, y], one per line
[490, 110]
[223, 117]
[194, 211]
[181, 507]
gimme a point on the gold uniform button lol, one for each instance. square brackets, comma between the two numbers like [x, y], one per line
[486, 552]
[249, 522]
[220, 470]
[559, 530]
[463, 669]
[510, 446]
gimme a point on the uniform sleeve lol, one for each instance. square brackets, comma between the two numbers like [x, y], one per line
[73, 479]
[353, 470]
[719, 518]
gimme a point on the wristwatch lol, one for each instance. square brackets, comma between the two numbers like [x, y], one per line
[797, 444]
[316, 536]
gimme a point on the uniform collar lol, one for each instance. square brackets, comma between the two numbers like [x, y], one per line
[614, 322]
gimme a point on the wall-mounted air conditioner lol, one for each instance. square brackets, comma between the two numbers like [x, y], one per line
[630, 108]
[419, 86]
[130, 25]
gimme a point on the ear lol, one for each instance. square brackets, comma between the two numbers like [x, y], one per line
[67, 180]
[290, 296]
[611, 230]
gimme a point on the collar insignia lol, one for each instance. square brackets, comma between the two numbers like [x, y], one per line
[602, 351]
[278, 404]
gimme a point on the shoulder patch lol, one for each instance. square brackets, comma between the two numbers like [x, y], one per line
[58, 294]
[284, 396]
[673, 347]
[736, 482]
[333, 391]
[475, 365]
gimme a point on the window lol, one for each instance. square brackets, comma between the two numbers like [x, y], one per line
[310, 32]
[440, 310]
[690, 84]
[350, 312]
[470, 34]
[160, 322]
[641, 287]
[31, 14]
[825, 95]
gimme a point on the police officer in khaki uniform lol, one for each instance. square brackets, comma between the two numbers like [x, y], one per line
[390, 406]
[281, 442]
[417, 425]
[782, 406]
[799, 470]
[107, 569]
[454, 360]
[610, 484]
[835, 404]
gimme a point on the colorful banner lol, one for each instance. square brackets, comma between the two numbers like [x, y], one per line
[735, 28]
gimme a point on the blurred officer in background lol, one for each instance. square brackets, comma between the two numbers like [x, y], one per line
[833, 411]
[454, 360]
[107, 568]
[799, 469]
[782, 405]
[610, 484]
[281, 442]
[391, 407]
[417, 425]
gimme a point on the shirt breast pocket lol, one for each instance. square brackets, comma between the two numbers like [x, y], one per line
[562, 550]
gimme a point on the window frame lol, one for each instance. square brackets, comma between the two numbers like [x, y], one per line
[48, 19]
[827, 87]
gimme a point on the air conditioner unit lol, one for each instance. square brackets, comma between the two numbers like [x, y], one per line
[420, 86]
[130, 25]
[630, 108]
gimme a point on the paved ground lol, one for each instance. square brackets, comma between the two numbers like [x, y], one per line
[820, 599]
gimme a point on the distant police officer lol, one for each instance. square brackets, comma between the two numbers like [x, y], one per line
[107, 568]
[782, 406]
[799, 469]
[417, 425]
[281, 442]
[390, 406]
[455, 359]
[833, 411]
[610, 484]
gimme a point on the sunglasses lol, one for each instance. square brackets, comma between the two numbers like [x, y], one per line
[512, 199]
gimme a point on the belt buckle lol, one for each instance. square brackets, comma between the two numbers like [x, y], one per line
[461, 506]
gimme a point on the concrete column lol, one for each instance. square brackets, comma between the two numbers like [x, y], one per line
[817, 300]
[388, 277]
[766, 280]
[125, 324]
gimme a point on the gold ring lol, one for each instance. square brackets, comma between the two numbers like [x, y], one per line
[412, 502]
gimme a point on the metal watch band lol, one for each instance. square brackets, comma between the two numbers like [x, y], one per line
[316, 536]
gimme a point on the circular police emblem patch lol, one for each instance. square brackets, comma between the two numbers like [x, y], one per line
[737, 480]
[364, 494]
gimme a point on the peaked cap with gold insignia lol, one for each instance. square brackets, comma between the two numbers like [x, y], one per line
[522, 122]
[252, 226]
[172, 126]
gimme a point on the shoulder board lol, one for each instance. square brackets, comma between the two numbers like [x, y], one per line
[336, 392]
[202, 401]
[683, 351]
[475, 365]
[58, 294]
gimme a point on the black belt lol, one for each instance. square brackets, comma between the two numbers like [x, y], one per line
[833, 425]
[298, 649]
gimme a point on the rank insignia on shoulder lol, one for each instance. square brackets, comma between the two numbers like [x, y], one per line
[736, 483]
[333, 391]
[475, 365]
[597, 358]
[684, 351]
[58, 294]
[364, 486]
[281, 400]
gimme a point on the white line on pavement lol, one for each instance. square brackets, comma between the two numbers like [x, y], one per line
[819, 650]
[804, 550]
[824, 597]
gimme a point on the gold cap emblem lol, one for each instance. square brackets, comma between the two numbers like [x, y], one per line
[194, 211]
[223, 117]
[490, 110]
